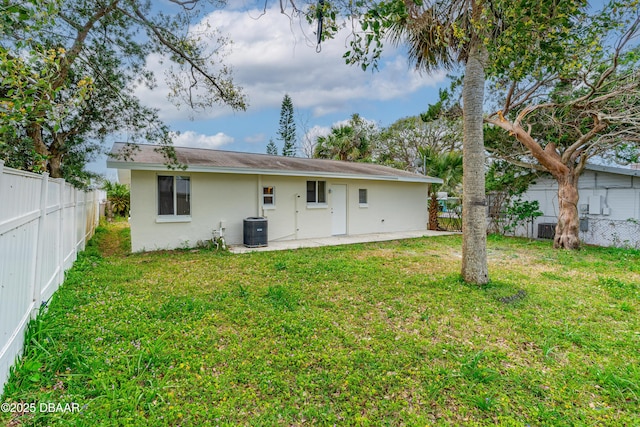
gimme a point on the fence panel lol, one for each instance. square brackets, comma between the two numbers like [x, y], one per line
[42, 226]
[68, 227]
[608, 232]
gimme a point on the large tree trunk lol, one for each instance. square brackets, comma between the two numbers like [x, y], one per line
[34, 131]
[474, 204]
[55, 166]
[57, 155]
[568, 228]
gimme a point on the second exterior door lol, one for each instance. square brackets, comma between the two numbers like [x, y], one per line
[338, 209]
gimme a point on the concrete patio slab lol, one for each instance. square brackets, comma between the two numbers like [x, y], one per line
[337, 240]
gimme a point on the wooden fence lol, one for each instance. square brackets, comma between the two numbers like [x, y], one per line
[44, 223]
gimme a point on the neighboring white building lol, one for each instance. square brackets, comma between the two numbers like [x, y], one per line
[300, 198]
[609, 206]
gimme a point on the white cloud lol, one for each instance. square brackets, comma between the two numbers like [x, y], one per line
[317, 131]
[272, 55]
[197, 140]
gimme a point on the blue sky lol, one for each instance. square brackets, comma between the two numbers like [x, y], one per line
[272, 55]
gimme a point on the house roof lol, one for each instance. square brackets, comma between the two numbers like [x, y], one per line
[613, 169]
[147, 157]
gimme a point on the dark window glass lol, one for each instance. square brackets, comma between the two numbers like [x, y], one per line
[174, 195]
[321, 193]
[362, 195]
[311, 191]
[165, 195]
[183, 195]
[316, 192]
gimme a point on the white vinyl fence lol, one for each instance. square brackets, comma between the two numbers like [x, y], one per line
[44, 223]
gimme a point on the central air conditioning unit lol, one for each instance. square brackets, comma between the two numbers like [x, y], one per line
[255, 232]
[546, 230]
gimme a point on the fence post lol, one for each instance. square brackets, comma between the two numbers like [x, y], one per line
[39, 252]
[61, 254]
[1, 175]
[75, 223]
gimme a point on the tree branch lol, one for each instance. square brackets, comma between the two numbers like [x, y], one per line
[548, 158]
[598, 126]
[83, 32]
[178, 52]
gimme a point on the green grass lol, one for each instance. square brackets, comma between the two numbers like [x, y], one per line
[371, 334]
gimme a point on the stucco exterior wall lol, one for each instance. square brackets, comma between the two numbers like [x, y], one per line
[229, 198]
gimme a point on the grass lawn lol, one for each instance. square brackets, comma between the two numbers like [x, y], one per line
[370, 334]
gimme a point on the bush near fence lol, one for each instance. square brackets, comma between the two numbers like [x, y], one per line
[44, 223]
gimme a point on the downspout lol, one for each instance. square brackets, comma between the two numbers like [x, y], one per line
[295, 214]
[259, 210]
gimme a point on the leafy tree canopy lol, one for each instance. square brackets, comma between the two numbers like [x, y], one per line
[351, 142]
[556, 118]
[69, 70]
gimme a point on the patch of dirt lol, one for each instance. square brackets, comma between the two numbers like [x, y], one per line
[115, 240]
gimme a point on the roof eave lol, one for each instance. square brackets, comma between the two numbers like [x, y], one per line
[118, 164]
[613, 170]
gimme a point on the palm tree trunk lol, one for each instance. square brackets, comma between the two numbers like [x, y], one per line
[474, 204]
[433, 212]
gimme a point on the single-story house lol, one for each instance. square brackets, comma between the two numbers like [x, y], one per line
[300, 198]
[609, 206]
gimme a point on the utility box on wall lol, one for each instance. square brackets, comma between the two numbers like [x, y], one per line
[584, 224]
[595, 205]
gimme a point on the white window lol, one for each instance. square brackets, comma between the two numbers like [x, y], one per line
[269, 196]
[316, 192]
[174, 195]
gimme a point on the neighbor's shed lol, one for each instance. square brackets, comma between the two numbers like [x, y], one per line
[300, 198]
[609, 205]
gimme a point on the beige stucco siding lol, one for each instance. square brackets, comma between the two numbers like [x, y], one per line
[216, 197]
[392, 206]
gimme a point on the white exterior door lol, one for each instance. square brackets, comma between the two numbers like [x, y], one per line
[338, 209]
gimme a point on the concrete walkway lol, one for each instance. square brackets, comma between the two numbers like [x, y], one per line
[337, 240]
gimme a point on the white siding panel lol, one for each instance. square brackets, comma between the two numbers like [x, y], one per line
[587, 180]
[609, 180]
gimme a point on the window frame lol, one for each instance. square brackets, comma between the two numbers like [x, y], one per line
[317, 200]
[272, 195]
[177, 197]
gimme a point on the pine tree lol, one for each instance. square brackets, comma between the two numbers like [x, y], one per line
[271, 148]
[287, 130]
